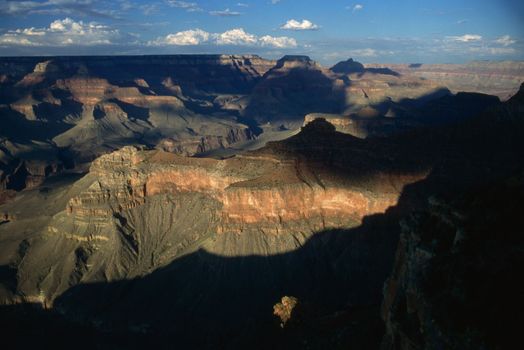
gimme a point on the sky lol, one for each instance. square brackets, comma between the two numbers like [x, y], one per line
[389, 31]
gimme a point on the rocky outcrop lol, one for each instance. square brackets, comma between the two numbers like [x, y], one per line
[27, 174]
[348, 67]
[285, 310]
[196, 145]
[276, 194]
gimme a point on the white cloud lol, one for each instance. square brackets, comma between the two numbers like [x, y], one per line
[277, 42]
[233, 37]
[505, 40]
[63, 32]
[236, 36]
[274, 2]
[188, 6]
[31, 31]
[358, 7]
[466, 38]
[184, 38]
[225, 13]
[241, 4]
[293, 24]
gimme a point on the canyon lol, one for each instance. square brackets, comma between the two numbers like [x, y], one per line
[153, 200]
[61, 113]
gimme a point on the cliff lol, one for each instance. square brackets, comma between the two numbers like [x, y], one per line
[453, 281]
[154, 244]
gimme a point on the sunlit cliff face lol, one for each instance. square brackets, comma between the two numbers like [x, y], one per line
[273, 195]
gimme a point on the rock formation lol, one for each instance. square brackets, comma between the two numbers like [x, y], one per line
[348, 67]
[119, 228]
[296, 86]
[67, 111]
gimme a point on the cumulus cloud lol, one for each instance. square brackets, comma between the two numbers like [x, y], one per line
[225, 13]
[505, 40]
[236, 36]
[63, 32]
[280, 42]
[184, 38]
[293, 24]
[233, 37]
[466, 38]
[188, 6]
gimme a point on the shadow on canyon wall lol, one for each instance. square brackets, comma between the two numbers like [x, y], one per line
[207, 301]
[203, 300]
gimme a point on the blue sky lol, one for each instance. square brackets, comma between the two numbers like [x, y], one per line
[328, 31]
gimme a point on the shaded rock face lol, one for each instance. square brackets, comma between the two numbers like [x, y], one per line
[348, 67]
[196, 251]
[229, 227]
[74, 109]
[453, 281]
[19, 175]
[295, 86]
[391, 117]
[262, 191]
[153, 241]
[205, 144]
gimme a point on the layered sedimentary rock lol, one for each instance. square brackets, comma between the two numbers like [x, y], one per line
[67, 111]
[264, 190]
[501, 79]
[73, 109]
[150, 242]
[138, 210]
